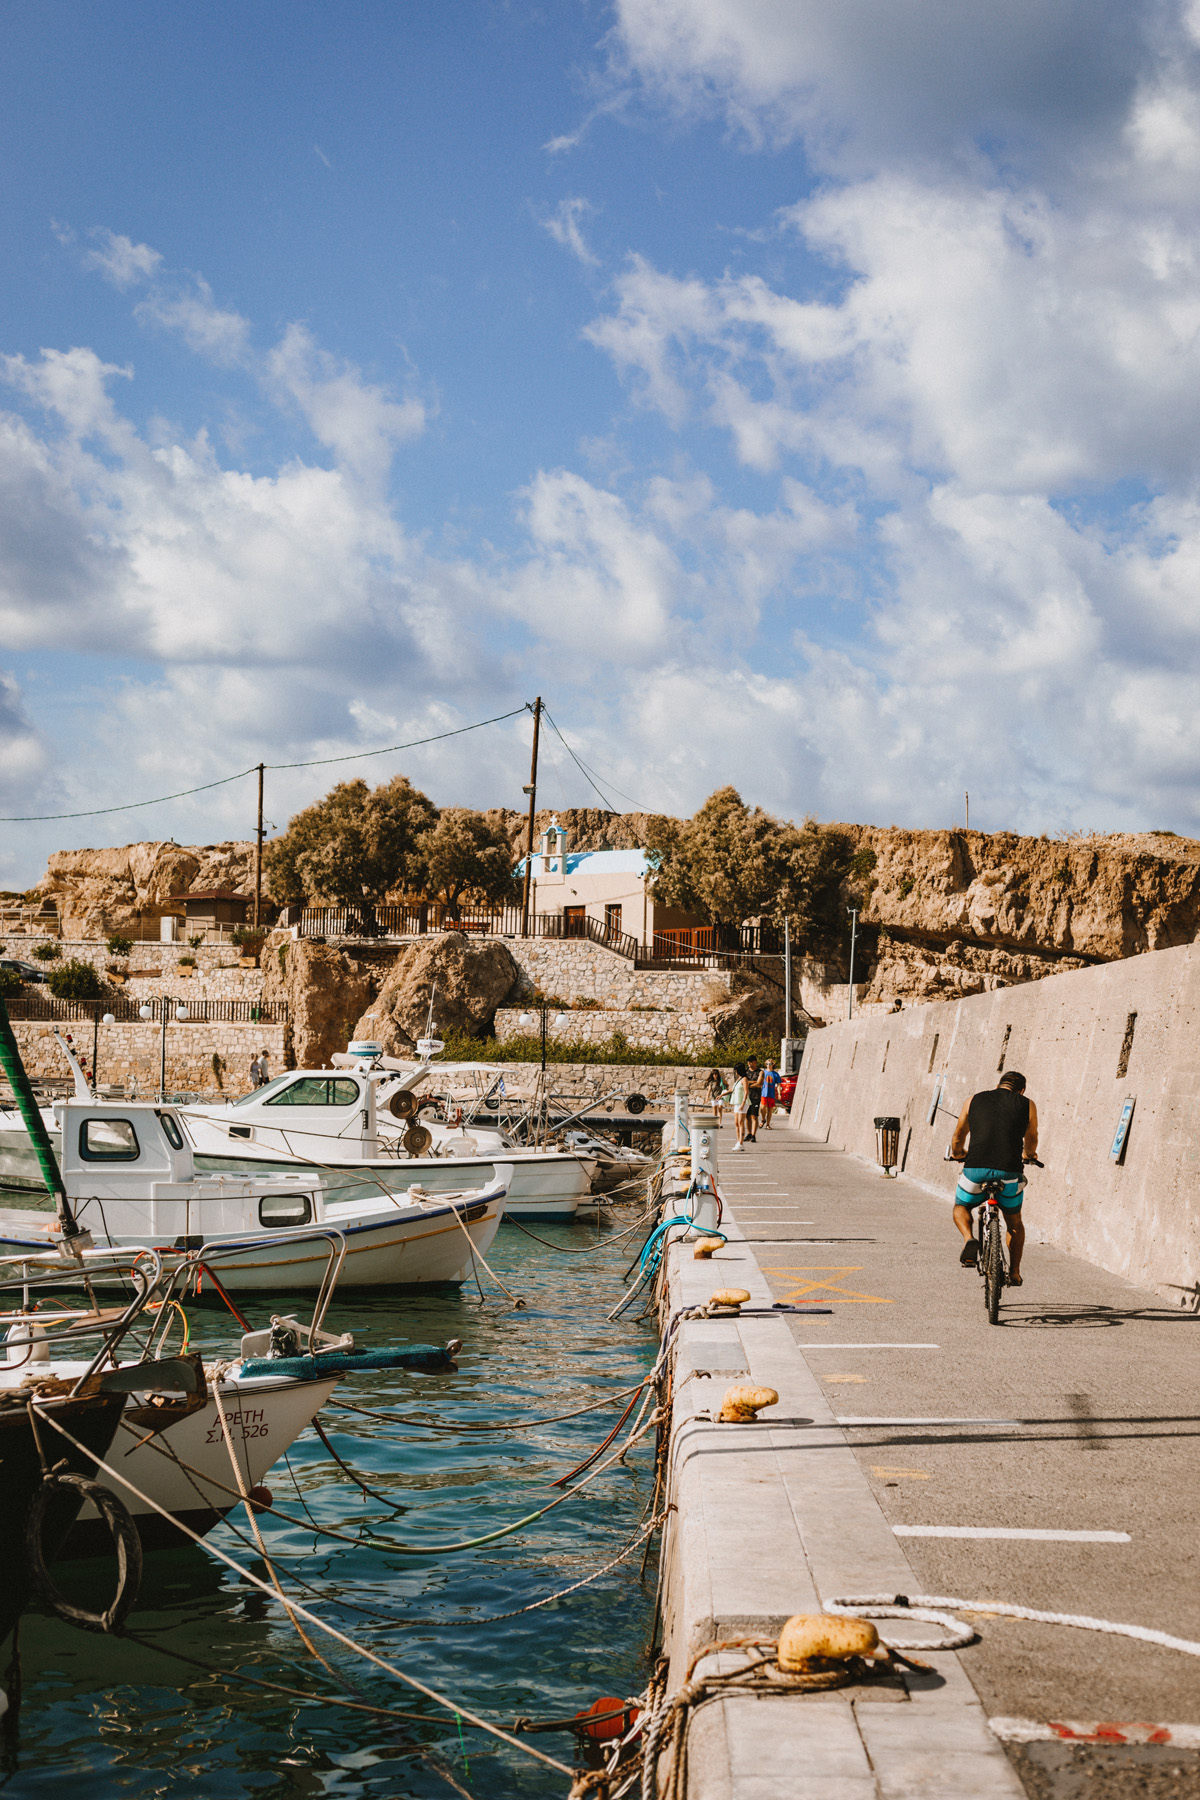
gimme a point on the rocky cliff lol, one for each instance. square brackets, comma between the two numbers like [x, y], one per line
[962, 912]
[102, 891]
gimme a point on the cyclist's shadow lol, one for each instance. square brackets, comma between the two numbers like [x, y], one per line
[1088, 1316]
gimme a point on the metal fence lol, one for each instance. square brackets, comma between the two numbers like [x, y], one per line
[47, 1010]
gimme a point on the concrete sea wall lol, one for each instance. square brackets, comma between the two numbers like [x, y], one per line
[1086, 1042]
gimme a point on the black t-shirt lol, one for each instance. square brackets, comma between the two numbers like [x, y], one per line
[997, 1122]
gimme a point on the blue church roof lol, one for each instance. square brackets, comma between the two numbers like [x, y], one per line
[600, 862]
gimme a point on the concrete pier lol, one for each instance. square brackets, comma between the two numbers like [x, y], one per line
[1073, 1422]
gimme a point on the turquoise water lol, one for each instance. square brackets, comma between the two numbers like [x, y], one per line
[127, 1721]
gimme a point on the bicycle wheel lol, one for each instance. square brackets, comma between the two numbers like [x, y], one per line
[993, 1266]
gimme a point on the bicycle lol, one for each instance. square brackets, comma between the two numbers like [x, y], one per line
[991, 1233]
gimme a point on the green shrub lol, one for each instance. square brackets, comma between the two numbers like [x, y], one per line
[527, 1047]
[907, 886]
[196, 941]
[10, 983]
[187, 962]
[46, 952]
[862, 863]
[249, 937]
[587, 1004]
[119, 946]
[75, 980]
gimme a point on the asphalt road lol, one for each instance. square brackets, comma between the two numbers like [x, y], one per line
[1094, 1383]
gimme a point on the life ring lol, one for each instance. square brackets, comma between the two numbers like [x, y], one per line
[126, 1542]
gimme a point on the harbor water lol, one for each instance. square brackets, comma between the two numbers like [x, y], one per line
[125, 1718]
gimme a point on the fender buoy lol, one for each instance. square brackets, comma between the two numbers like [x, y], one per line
[126, 1542]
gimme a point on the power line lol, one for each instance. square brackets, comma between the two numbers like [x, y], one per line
[589, 775]
[317, 762]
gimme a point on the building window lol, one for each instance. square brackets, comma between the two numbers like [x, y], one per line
[612, 921]
[318, 1090]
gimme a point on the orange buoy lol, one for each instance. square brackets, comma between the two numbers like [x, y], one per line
[615, 1716]
[260, 1498]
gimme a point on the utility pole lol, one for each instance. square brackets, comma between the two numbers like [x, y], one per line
[787, 978]
[531, 790]
[853, 911]
[258, 850]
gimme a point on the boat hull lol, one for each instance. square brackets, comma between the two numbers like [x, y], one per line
[187, 1469]
[550, 1187]
[396, 1247]
[93, 1422]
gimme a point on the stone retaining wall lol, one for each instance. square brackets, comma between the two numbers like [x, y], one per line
[216, 976]
[131, 1053]
[660, 1029]
[583, 970]
[657, 1082]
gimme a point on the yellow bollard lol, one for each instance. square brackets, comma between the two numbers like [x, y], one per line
[741, 1404]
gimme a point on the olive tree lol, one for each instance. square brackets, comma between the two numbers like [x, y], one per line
[351, 847]
[466, 855]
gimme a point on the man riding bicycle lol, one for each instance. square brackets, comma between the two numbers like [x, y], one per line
[997, 1132]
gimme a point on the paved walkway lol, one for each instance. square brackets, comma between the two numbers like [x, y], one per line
[1078, 1415]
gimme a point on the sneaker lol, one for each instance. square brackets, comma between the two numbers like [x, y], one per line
[737, 1146]
[969, 1255]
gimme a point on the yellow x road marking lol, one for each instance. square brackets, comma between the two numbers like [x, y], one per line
[800, 1288]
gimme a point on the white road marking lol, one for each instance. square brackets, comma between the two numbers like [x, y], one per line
[929, 1421]
[1002, 1531]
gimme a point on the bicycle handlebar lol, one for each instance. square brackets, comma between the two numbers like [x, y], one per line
[1028, 1162]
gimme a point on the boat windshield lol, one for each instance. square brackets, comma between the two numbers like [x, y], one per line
[257, 1095]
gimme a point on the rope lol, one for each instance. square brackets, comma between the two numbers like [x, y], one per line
[374, 1541]
[924, 1606]
[310, 1618]
[390, 1418]
[590, 1249]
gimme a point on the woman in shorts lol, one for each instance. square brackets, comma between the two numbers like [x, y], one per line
[741, 1104]
[716, 1093]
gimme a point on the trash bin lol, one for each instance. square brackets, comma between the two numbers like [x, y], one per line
[887, 1143]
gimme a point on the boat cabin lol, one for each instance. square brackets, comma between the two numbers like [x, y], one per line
[129, 1173]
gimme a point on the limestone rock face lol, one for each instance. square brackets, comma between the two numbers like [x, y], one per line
[755, 1005]
[325, 991]
[472, 980]
[99, 892]
[1098, 898]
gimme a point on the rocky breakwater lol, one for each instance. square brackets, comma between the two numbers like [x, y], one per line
[949, 913]
[100, 892]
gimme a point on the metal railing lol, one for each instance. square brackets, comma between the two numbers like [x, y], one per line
[698, 946]
[46, 1009]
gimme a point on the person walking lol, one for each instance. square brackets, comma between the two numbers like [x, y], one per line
[740, 1100]
[770, 1092]
[255, 1073]
[716, 1093]
[264, 1072]
[754, 1077]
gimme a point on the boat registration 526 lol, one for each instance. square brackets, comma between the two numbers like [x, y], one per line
[252, 1425]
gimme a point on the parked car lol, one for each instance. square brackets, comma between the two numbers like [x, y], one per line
[25, 970]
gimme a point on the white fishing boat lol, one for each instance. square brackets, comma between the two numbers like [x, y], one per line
[357, 1122]
[130, 1176]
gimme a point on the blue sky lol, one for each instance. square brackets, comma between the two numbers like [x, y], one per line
[797, 395]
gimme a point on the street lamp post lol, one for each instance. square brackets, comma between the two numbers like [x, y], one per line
[146, 1011]
[527, 1019]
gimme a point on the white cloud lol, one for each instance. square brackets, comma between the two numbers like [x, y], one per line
[359, 422]
[564, 227]
[120, 260]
